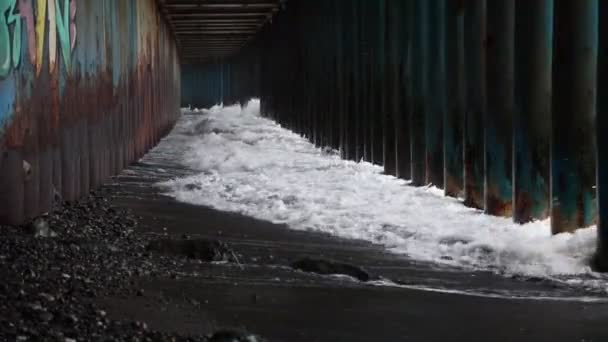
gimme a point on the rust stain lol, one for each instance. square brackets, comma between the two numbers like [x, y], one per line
[74, 124]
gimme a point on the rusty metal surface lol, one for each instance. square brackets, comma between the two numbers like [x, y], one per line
[500, 65]
[419, 70]
[437, 106]
[532, 119]
[441, 91]
[574, 109]
[475, 54]
[454, 119]
[86, 86]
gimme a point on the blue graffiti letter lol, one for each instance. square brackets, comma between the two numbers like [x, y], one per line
[8, 17]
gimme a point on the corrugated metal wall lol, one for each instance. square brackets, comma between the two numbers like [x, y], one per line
[496, 101]
[86, 86]
[202, 85]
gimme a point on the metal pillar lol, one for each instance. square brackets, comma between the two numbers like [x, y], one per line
[366, 84]
[436, 99]
[532, 119]
[355, 137]
[573, 140]
[419, 70]
[389, 74]
[499, 113]
[342, 82]
[601, 256]
[475, 33]
[454, 119]
[378, 110]
[399, 19]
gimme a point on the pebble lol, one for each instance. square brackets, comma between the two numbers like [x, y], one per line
[50, 276]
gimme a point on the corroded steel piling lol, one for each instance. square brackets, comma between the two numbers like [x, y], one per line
[457, 93]
[397, 83]
[601, 256]
[454, 119]
[419, 69]
[532, 117]
[388, 72]
[574, 95]
[499, 111]
[436, 96]
[475, 52]
[367, 104]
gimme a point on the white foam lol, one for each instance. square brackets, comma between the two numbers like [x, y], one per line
[251, 165]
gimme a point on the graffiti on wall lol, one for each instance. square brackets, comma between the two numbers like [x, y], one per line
[54, 19]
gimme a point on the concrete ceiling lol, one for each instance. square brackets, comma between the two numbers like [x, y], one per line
[207, 30]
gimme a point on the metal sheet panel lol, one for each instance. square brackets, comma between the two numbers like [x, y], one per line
[69, 106]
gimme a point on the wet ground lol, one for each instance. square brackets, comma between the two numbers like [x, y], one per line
[258, 291]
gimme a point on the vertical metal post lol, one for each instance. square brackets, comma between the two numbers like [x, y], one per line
[601, 255]
[436, 99]
[573, 140]
[389, 73]
[419, 68]
[402, 9]
[454, 119]
[532, 117]
[359, 110]
[475, 33]
[366, 79]
[341, 70]
[349, 32]
[499, 113]
[378, 109]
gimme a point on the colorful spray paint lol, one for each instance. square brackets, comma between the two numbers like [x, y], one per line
[80, 85]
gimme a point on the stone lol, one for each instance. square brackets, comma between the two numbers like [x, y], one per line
[330, 267]
[202, 249]
[40, 228]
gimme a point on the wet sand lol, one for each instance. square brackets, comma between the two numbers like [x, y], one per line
[263, 295]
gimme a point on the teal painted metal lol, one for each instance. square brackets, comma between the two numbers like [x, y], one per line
[601, 256]
[574, 106]
[419, 70]
[80, 96]
[436, 85]
[475, 33]
[386, 73]
[396, 146]
[378, 108]
[202, 85]
[454, 119]
[358, 77]
[400, 13]
[532, 118]
[367, 105]
[436, 106]
[500, 63]
[347, 13]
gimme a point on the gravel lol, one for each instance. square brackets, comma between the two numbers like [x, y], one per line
[55, 267]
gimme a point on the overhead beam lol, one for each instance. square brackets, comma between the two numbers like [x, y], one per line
[231, 5]
[216, 26]
[218, 32]
[217, 20]
[222, 14]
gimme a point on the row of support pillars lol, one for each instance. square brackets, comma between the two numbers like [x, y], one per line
[494, 101]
